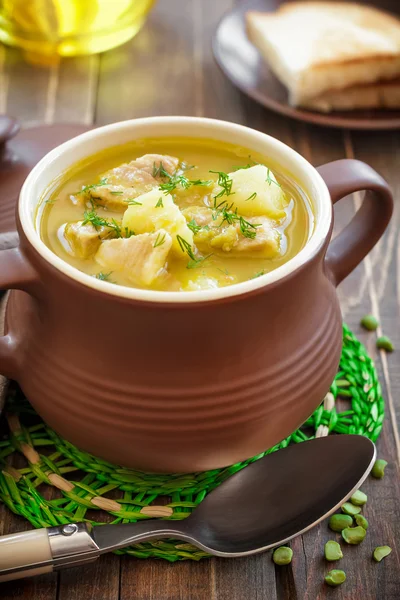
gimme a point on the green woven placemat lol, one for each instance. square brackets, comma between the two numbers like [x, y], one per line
[62, 484]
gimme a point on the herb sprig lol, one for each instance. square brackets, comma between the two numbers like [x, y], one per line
[160, 239]
[103, 276]
[269, 179]
[91, 216]
[185, 247]
[92, 186]
[225, 183]
[198, 262]
[175, 180]
[247, 229]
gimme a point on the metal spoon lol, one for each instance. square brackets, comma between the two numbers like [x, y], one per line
[264, 505]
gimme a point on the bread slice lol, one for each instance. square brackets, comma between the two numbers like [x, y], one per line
[319, 47]
[385, 94]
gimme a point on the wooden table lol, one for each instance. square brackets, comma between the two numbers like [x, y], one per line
[169, 70]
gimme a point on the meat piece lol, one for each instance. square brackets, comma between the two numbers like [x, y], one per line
[84, 240]
[218, 234]
[143, 172]
[113, 197]
[128, 175]
[152, 162]
[139, 258]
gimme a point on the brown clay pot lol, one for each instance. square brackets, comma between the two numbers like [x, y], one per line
[169, 381]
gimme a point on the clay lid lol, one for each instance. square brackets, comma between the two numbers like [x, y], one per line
[20, 150]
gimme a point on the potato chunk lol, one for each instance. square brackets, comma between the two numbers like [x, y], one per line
[139, 258]
[156, 210]
[84, 240]
[255, 191]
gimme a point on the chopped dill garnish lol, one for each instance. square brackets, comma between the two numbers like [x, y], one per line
[248, 166]
[249, 230]
[185, 247]
[116, 227]
[91, 216]
[258, 274]
[182, 181]
[185, 167]
[160, 171]
[50, 201]
[197, 262]
[103, 276]
[160, 239]
[193, 226]
[223, 271]
[224, 182]
[160, 203]
[133, 202]
[203, 182]
[128, 232]
[87, 188]
[117, 193]
[252, 197]
[269, 179]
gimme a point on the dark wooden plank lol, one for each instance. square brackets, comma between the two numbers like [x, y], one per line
[382, 150]
[76, 89]
[157, 579]
[252, 577]
[154, 73]
[364, 581]
[99, 580]
[27, 88]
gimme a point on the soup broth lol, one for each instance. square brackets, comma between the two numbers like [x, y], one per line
[176, 215]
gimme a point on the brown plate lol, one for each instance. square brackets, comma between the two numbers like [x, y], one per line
[243, 65]
[19, 153]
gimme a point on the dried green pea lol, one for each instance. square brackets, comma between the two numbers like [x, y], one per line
[362, 521]
[335, 577]
[380, 552]
[385, 343]
[282, 555]
[333, 551]
[359, 498]
[378, 470]
[339, 522]
[369, 322]
[354, 535]
[349, 509]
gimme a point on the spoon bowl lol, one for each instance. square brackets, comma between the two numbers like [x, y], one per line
[267, 503]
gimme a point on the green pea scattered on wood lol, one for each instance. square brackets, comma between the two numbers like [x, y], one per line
[335, 577]
[362, 521]
[359, 498]
[370, 322]
[350, 509]
[385, 343]
[339, 522]
[354, 535]
[380, 552]
[333, 551]
[378, 470]
[282, 555]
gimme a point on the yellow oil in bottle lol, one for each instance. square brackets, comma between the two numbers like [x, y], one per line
[70, 27]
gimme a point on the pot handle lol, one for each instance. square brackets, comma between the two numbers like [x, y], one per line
[344, 177]
[15, 273]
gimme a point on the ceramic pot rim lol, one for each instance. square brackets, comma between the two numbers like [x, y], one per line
[88, 143]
